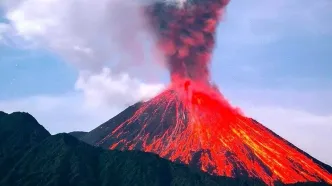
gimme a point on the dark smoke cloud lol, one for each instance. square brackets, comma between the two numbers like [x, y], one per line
[186, 35]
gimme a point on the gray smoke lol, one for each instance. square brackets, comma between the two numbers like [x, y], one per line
[96, 37]
[88, 34]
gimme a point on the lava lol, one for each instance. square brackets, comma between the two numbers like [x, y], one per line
[190, 122]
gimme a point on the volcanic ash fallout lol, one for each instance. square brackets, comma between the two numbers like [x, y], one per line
[191, 123]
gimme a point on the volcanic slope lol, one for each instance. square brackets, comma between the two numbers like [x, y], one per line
[203, 131]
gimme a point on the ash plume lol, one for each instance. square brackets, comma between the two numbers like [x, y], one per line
[186, 35]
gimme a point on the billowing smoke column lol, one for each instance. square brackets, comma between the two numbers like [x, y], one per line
[186, 35]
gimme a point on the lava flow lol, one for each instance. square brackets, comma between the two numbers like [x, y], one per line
[190, 122]
[197, 127]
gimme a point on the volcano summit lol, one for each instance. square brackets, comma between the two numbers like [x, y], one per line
[190, 122]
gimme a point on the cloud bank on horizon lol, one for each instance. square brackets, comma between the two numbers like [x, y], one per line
[102, 40]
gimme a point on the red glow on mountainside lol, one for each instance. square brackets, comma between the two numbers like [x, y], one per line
[191, 123]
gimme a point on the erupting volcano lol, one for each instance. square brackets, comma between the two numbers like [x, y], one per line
[190, 122]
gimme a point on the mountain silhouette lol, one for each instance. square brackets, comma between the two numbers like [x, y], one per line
[78, 134]
[19, 132]
[30, 156]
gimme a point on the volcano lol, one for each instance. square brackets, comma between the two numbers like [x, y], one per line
[193, 126]
[190, 122]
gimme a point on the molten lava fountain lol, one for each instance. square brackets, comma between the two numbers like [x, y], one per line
[191, 123]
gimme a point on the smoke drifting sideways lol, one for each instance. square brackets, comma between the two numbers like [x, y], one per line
[186, 35]
[107, 41]
[89, 35]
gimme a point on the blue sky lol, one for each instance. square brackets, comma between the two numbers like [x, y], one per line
[27, 73]
[273, 60]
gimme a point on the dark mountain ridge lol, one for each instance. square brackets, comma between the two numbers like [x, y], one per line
[40, 159]
[78, 134]
[19, 132]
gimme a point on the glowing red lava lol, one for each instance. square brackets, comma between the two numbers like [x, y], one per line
[203, 130]
[190, 122]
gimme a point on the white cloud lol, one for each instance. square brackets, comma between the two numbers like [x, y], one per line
[103, 39]
[98, 98]
[89, 34]
[4, 30]
[97, 37]
[106, 89]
